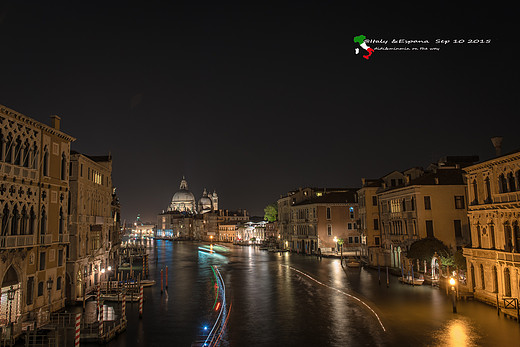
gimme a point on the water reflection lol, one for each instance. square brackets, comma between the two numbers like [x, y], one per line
[457, 333]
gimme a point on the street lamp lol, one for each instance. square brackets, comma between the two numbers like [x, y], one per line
[336, 242]
[453, 283]
[10, 296]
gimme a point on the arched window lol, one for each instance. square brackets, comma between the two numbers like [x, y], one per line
[9, 149]
[482, 279]
[63, 167]
[516, 236]
[5, 220]
[502, 184]
[23, 221]
[508, 247]
[488, 191]
[492, 235]
[511, 182]
[17, 151]
[479, 240]
[475, 192]
[507, 283]
[495, 280]
[46, 163]
[14, 221]
[43, 225]
[32, 221]
[26, 152]
[34, 159]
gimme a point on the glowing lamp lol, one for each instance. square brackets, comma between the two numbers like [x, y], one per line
[452, 281]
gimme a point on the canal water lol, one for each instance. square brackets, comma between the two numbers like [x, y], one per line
[294, 300]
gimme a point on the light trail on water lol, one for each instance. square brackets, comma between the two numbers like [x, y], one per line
[341, 292]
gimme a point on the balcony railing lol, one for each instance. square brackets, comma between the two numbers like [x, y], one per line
[45, 239]
[16, 241]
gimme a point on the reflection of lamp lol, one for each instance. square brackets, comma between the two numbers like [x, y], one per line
[453, 283]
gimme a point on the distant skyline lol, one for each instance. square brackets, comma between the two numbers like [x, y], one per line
[254, 101]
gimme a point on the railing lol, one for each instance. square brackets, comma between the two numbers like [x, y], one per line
[16, 241]
[45, 239]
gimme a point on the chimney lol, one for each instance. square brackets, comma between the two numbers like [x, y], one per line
[497, 143]
[363, 182]
[407, 179]
[55, 122]
[436, 180]
[245, 212]
[384, 185]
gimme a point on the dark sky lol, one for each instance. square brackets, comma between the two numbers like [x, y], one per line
[255, 100]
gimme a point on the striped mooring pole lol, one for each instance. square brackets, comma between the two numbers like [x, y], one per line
[141, 302]
[98, 297]
[123, 306]
[78, 329]
[101, 320]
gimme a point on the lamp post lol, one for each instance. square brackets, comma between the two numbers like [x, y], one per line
[340, 243]
[10, 296]
[49, 287]
[453, 283]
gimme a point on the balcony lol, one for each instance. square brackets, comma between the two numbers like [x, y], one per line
[507, 197]
[16, 241]
[46, 239]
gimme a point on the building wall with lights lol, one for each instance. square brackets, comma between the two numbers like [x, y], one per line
[431, 205]
[370, 223]
[493, 259]
[34, 194]
[90, 223]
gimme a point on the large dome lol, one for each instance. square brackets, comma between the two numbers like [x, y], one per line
[183, 200]
[183, 196]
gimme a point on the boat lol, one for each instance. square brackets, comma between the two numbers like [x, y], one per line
[414, 281]
[353, 263]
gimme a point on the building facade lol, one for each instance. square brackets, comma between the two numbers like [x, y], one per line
[90, 223]
[493, 259]
[34, 195]
[310, 219]
[431, 205]
[370, 222]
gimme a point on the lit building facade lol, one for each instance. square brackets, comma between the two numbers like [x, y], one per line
[369, 222]
[34, 195]
[493, 260]
[90, 223]
[310, 219]
[431, 204]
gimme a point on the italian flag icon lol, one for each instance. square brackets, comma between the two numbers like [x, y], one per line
[361, 40]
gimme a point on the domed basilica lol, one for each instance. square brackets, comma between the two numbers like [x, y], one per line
[184, 200]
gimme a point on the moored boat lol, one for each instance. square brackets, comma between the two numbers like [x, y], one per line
[414, 281]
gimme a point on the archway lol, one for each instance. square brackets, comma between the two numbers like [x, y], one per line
[507, 283]
[11, 296]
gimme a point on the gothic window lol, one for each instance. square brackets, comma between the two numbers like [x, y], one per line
[26, 151]
[516, 235]
[507, 283]
[14, 221]
[63, 166]
[34, 162]
[9, 149]
[17, 151]
[492, 235]
[46, 162]
[32, 221]
[479, 240]
[502, 184]
[488, 191]
[43, 225]
[511, 181]
[5, 220]
[475, 192]
[23, 222]
[495, 280]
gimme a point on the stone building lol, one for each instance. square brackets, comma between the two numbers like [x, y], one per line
[369, 221]
[91, 223]
[310, 219]
[493, 259]
[34, 192]
[429, 204]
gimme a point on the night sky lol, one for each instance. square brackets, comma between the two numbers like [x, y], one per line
[256, 100]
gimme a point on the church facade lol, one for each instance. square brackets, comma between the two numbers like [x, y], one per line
[187, 218]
